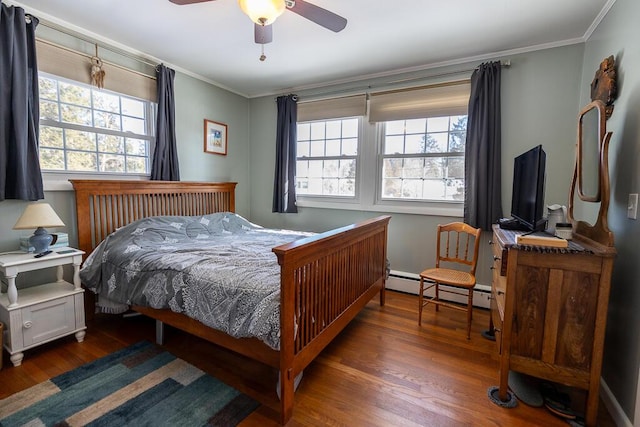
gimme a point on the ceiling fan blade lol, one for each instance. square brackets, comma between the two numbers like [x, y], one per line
[319, 15]
[183, 2]
[263, 33]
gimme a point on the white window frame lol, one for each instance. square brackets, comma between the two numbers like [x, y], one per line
[58, 180]
[369, 183]
[335, 201]
[435, 207]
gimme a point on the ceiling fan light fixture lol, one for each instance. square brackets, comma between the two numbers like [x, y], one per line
[262, 12]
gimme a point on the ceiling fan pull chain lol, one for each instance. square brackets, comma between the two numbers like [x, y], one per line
[263, 56]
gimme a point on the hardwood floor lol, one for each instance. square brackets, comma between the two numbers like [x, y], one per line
[382, 370]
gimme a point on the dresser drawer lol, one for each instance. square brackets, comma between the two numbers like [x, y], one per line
[497, 313]
[498, 288]
[500, 255]
[48, 320]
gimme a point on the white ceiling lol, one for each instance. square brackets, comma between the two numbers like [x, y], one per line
[214, 40]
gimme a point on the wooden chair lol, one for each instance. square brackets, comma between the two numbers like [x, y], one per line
[457, 250]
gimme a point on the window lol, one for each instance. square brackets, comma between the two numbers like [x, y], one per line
[83, 128]
[328, 143]
[327, 152]
[402, 151]
[423, 159]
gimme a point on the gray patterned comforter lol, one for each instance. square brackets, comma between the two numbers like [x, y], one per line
[218, 269]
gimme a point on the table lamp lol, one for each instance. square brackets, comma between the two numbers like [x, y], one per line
[39, 216]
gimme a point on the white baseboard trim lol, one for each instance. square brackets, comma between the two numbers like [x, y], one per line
[410, 283]
[614, 408]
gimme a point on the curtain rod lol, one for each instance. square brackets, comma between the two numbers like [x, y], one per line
[505, 64]
[84, 38]
[366, 89]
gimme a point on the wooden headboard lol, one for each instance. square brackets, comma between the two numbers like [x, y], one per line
[102, 206]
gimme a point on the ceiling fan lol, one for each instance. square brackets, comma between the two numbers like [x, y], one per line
[264, 12]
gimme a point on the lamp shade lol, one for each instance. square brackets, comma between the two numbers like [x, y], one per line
[38, 215]
[262, 12]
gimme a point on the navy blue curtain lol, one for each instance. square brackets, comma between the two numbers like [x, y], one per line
[165, 157]
[482, 202]
[20, 175]
[284, 186]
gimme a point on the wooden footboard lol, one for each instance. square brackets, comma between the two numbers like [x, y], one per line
[326, 279]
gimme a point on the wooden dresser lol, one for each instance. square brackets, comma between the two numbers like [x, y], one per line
[549, 311]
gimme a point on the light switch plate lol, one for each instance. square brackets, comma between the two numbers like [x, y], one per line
[632, 207]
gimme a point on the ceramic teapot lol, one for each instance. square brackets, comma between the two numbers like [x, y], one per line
[555, 214]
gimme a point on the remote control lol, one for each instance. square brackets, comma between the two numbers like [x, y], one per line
[41, 254]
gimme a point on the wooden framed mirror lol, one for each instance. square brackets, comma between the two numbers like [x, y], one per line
[590, 182]
[592, 128]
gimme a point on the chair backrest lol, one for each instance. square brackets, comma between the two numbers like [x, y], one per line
[461, 244]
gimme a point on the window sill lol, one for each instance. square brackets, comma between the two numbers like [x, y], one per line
[432, 209]
[59, 181]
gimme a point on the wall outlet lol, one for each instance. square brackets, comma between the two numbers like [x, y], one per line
[632, 207]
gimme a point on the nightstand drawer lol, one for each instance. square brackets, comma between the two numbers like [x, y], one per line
[47, 320]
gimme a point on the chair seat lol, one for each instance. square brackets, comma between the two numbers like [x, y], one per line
[447, 276]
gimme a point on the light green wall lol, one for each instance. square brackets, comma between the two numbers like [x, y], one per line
[539, 106]
[618, 35]
[196, 101]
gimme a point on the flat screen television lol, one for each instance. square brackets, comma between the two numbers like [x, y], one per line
[527, 199]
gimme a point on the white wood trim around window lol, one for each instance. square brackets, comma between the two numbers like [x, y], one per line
[368, 186]
[59, 181]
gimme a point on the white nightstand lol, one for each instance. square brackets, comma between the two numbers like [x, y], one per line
[45, 312]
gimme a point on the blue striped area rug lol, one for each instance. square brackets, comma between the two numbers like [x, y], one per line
[139, 385]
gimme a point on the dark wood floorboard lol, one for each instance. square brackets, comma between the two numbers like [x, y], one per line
[382, 370]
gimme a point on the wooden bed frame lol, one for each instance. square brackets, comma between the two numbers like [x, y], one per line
[325, 279]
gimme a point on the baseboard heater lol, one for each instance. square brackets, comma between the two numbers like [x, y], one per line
[410, 283]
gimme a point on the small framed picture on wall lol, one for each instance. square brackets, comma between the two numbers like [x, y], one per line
[215, 137]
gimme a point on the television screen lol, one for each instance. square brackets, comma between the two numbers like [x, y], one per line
[527, 200]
